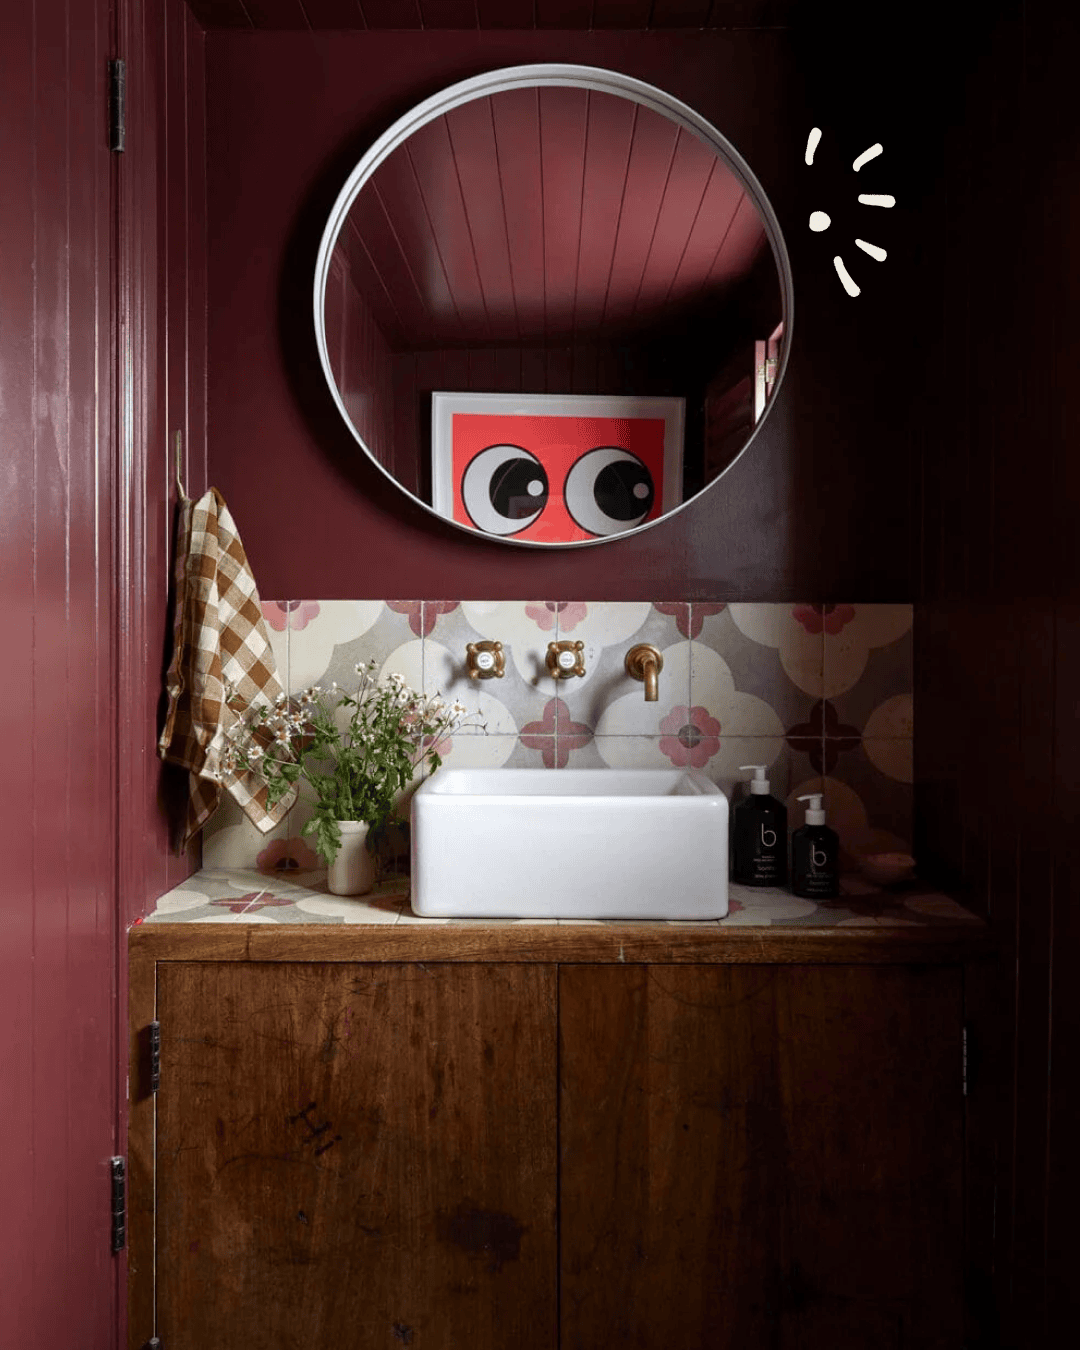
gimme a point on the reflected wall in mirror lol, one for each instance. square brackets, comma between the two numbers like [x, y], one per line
[552, 230]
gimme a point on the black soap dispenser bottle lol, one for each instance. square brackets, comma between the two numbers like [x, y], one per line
[759, 835]
[815, 854]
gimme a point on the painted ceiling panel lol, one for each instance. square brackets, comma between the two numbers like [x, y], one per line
[333, 14]
[681, 13]
[742, 244]
[621, 13]
[370, 217]
[642, 195]
[563, 114]
[276, 14]
[448, 266]
[472, 142]
[610, 135]
[371, 284]
[391, 13]
[517, 136]
[221, 14]
[708, 236]
[692, 166]
[627, 15]
[549, 215]
[563, 13]
[448, 13]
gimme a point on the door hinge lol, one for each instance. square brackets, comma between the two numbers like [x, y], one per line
[155, 1056]
[117, 105]
[119, 1203]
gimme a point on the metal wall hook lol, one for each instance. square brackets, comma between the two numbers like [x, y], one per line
[179, 459]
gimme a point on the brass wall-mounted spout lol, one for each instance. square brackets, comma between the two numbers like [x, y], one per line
[644, 662]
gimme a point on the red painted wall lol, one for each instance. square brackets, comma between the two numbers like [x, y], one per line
[997, 663]
[59, 1055]
[162, 318]
[819, 507]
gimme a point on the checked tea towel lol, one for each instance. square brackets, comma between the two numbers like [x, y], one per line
[220, 643]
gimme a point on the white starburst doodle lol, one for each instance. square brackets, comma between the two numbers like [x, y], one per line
[820, 221]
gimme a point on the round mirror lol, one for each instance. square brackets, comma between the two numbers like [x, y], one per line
[553, 304]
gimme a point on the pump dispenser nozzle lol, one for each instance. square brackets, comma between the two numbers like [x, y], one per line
[815, 812]
[759, 784]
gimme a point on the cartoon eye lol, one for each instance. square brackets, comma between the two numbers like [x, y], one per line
[504, 489]
[609, 490]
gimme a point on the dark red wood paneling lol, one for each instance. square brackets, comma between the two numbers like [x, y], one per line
[621, 13]
[996, 666]
[562, 13]
[58, 934]
[391, 13]
[681, 13]
[626, 15]
[220, 14]
[286, 14]
[507, 14]
[449, 13]
[333, 14]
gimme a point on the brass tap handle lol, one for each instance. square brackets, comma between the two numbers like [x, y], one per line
[565, 659]
[485, 660]
[644, 662]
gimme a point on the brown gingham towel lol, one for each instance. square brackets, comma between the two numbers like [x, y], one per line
[220, 641]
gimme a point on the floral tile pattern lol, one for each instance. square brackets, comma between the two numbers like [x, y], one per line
[820, 694]
[245, 896]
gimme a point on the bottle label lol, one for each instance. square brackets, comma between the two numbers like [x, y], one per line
[823, 884]
[760, 855]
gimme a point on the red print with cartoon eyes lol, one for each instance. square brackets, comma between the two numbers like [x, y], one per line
[556, 479]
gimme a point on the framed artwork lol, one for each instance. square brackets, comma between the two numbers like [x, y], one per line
[555, 468]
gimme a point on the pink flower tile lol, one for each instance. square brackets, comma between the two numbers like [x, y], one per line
[288, 855]
[691, 737]
[546, 614]
[295, 614]
[689, 619]
[830, 619]
[251, 903]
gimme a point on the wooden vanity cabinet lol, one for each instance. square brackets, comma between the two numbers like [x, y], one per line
[525, 1152]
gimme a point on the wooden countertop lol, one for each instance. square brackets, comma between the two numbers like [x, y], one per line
[221, 915]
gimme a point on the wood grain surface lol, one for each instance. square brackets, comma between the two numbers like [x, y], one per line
[591, 943]
[356, 1156]
[760, 1157]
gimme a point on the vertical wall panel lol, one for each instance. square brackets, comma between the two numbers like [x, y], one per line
[58, 1053]
[996, 722]
[161, 266]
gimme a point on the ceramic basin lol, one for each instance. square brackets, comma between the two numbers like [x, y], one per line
[570, 844]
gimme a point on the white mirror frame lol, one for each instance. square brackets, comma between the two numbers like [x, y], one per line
[532, 77]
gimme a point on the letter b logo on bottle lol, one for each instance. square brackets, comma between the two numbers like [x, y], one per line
[768, 837]
[817, 857]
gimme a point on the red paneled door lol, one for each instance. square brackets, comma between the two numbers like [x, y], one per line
[58, 942]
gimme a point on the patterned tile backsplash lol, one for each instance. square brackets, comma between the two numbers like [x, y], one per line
[822, 694]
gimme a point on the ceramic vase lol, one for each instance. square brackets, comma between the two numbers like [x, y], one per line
[353, 870]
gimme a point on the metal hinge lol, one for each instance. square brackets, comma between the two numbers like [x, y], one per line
[155, 1055]
[117, 105]
[119, 1204]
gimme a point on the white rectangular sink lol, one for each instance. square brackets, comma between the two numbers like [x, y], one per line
[570, 844]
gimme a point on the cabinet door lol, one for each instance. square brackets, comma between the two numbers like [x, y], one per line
[356, 1155]
[760, 1156]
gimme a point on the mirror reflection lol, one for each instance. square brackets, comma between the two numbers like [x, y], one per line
[553, 314]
